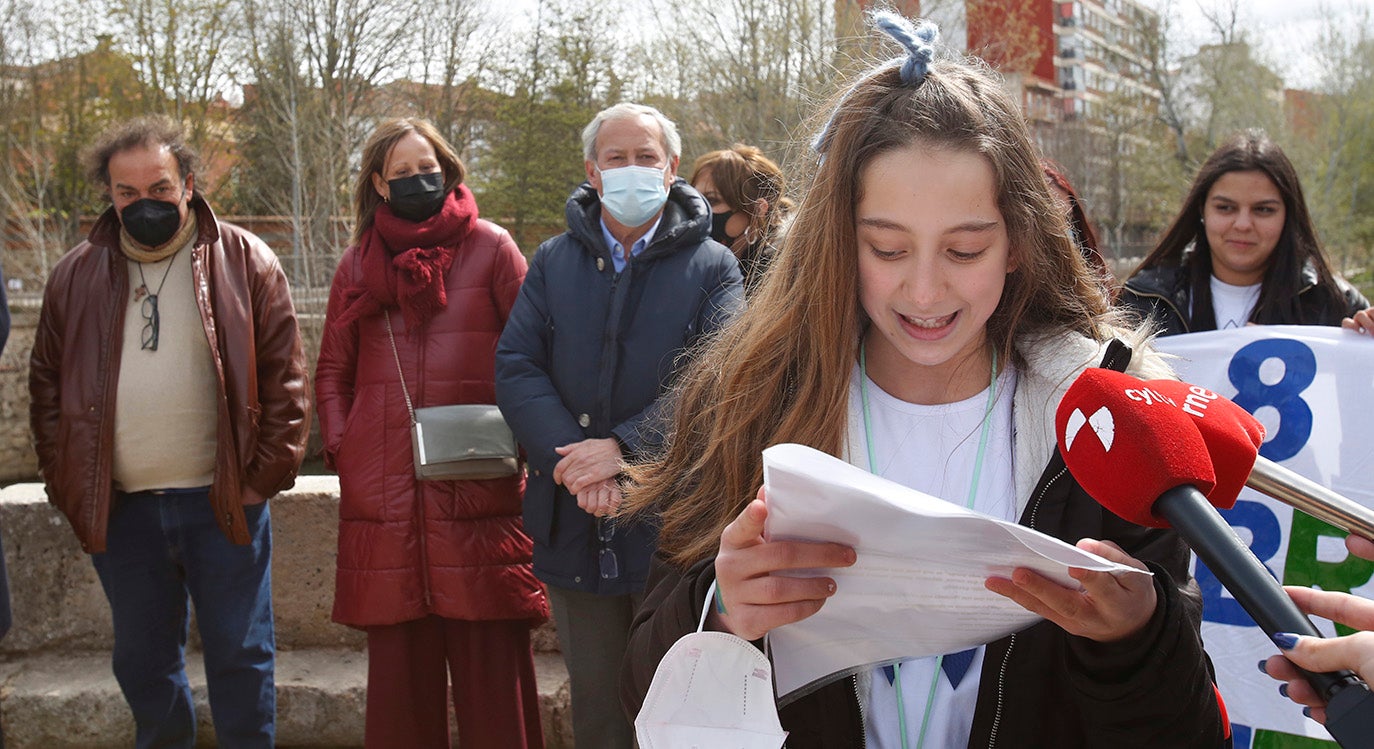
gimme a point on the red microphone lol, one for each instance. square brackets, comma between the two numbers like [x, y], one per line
[1232, 434]
[1126, 441]
[1156, 453]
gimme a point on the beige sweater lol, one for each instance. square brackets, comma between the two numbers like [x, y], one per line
[165, 409]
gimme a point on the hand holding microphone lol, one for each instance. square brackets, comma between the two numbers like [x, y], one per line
[1162, 453]
[1355, 652]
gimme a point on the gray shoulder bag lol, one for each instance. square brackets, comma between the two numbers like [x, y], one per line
[469, 441]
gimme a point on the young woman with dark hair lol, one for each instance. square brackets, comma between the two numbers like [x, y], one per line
[1242, 250]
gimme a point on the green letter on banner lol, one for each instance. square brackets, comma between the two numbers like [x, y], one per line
[1303, 568]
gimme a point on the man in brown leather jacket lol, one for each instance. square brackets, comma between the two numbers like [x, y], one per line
[169, 401]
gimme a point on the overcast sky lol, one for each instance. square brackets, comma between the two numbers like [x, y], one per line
[1286, 31]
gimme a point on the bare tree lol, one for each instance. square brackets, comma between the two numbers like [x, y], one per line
[179, 49]
[61, 81]
[750, 69]
[461, 40]
[316, 67]
[1331, 139]
[1163, 70]
[561, 78]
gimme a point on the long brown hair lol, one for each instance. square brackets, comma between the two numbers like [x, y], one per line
[781, 371]
[743, 176]
[1185, 242]
[378, 146]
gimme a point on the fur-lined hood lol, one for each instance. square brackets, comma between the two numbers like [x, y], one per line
[1053, 362]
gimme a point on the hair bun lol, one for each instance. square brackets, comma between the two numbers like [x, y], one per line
[918, 40]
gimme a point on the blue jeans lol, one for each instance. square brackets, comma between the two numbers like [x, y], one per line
[161, 548]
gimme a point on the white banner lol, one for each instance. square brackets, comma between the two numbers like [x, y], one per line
[1312, 388]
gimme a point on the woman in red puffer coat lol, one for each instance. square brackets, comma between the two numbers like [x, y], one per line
[436, 572]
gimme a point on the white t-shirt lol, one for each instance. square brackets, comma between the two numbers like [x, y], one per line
[932, 449]
[1233, 304]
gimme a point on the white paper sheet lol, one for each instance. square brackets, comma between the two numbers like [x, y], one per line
[917, 587]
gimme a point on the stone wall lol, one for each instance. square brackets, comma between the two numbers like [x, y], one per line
[56, 688]
[17, 460]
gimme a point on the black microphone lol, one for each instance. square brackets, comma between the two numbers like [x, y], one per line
[1142, 432]
[1349, 702]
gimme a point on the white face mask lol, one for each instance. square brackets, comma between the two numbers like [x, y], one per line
[633, 194]
[712, 689]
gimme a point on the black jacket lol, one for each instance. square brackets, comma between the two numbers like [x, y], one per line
[1164, 293]
[588, 353]
[1039, 687]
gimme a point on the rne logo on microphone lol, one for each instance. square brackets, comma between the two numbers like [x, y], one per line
[1102, 423]
[1197, 400]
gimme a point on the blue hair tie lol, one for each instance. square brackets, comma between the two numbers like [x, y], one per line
[917, 40]
[919, 43]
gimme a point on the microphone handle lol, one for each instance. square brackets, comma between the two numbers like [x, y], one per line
[1216, 544]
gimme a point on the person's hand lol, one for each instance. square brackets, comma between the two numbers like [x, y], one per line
[1317, 654]
[1360, 546]
[587, 462]
[1109, 607]
[755, 599]
[600, 499]
[1360, 322]
[251, 496]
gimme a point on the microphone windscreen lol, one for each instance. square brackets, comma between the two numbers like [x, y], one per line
[1232, 435]
[1126, 444]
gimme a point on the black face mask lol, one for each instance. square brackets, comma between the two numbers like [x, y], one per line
[151, 222]
[417, 197]
[718, 221]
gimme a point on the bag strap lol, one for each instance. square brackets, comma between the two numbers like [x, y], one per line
[386, 317]
[1117, 356]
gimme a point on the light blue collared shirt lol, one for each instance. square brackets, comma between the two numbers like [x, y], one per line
[618, 250]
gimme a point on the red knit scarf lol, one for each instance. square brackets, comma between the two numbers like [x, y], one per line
[404, 263]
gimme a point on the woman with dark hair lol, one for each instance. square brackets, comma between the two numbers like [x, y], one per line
[436, 572]
[1242, 250]
[1080, 229]
[745, 190]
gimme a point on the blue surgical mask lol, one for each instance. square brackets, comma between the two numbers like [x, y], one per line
[633, 194]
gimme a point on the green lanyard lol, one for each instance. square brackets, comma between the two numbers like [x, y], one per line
[972, 493]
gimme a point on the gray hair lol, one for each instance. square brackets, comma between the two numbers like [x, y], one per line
[672, 142]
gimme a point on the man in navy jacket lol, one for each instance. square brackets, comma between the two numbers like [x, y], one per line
[592, 345]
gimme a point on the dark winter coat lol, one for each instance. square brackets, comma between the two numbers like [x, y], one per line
[411, 548]
[1164, 292]
[588, 353]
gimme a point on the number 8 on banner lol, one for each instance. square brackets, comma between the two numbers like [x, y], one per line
[1284, 396]
[1295, 428]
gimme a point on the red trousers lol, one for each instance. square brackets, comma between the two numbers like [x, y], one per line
[492, 669]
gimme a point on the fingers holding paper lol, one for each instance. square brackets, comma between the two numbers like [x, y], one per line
[752, 597]
[1108, 608]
